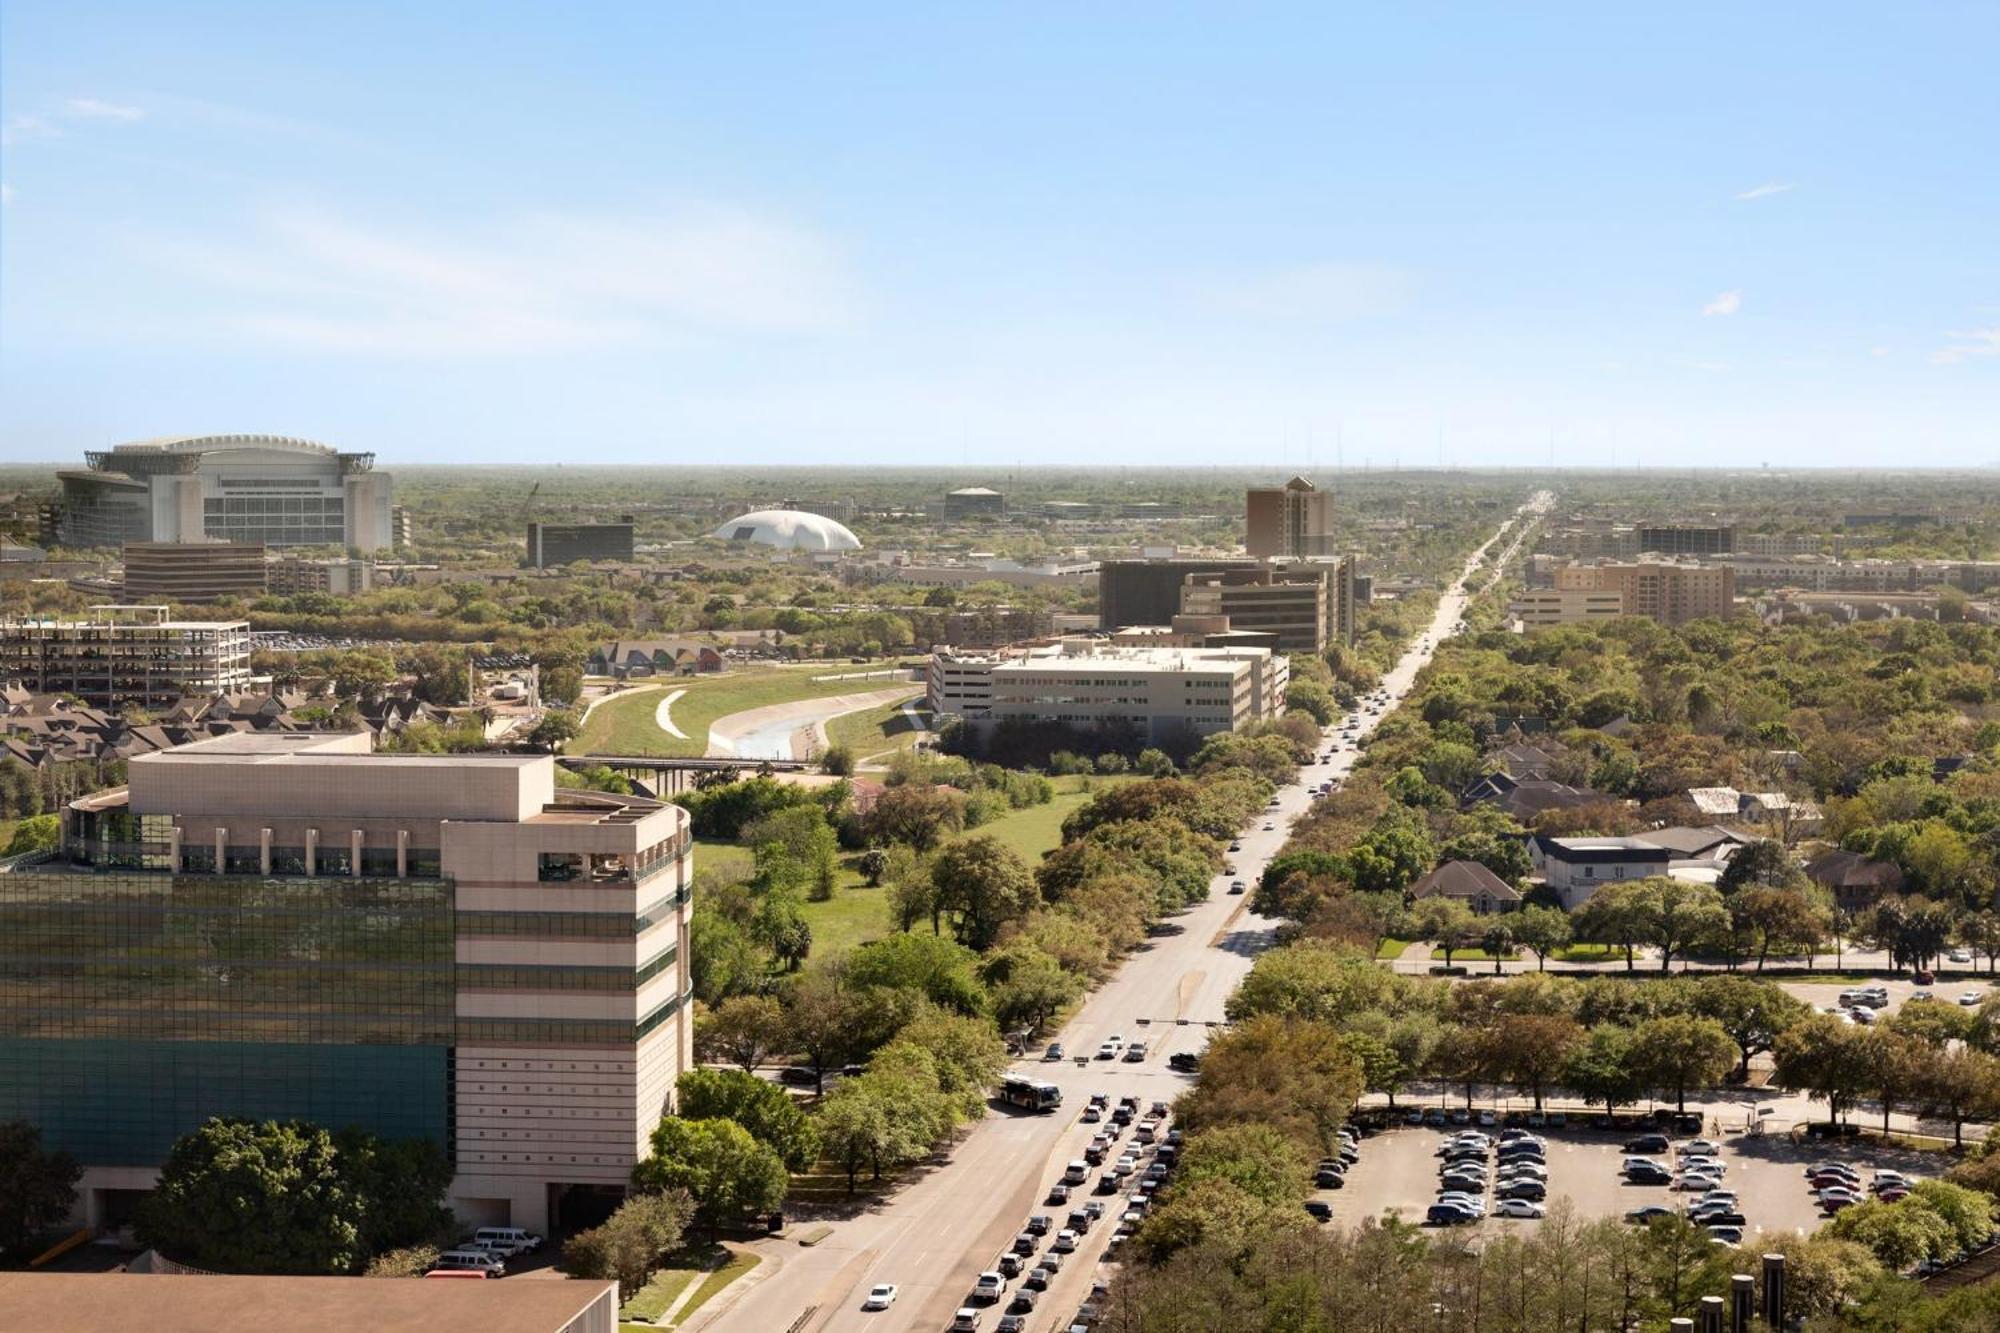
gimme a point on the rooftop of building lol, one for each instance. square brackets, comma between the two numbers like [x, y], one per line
[87, 1302]
[109, 614]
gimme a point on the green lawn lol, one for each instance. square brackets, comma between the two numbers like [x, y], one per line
[626, 725]
[875, 730]
[1391, 948]
[738, 1265]
[653, 1299]
[1588, 953]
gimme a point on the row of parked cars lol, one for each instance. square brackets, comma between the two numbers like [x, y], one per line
[1331, 1173]
[1837, 1185]
[1515, 1170]
[1130, 1174]
[1696, 1167]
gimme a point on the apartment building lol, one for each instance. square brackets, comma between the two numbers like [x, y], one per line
[1536, 608]
[337, 578]
[1779, 543]
[126, 655]
[193, 571]
[1671, 592]
[1162, 693]
[439, 946]
[1295, 519]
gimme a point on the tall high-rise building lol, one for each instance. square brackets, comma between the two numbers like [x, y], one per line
[237, 488]
[287, 925]
[1295, 519]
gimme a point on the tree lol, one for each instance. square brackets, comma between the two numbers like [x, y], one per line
[1256, 1159]
[1753, 1013]
[239, 1196]
[837, 760]
[824, 1022]
[743, 1029]
[36, 833]
[763, 1108]
[941, 970]
[721, 1166]
[401, 1183]
[855, 1128]
[1960, 1084]
[630, 1244]
[1763, 863]
[1298, 1077]
[1682, 1052]
[1531, 1051]
[1542, 931]
[1029, 986]
[782, 927]
[1498, 941]
[37, 1186]
[1898, 1235]
[983, 884]
[1445, 922]
[1897, 1064]
[1615, 914]
[1826, 1058]
[555, 727]
[1680, 916]
[874, 864]
[915, 815]
[1601, 1068]
[1786, 919]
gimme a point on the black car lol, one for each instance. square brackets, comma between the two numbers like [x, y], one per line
[1328, 1180]
[1012, 1323]
[1039, 1224]
[1319, 1211]
[1037, 1280]
[1649, 1175]
[1717, 1218]
[799, 1076]
[1648, 1143]
[1184, 1062]
[1023, 1303]
[1524, 1189]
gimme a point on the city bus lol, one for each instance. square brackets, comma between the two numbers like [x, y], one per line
[1030, 1094]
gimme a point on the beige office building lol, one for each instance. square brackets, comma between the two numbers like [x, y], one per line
[193, 571]
[1295, 519]
[439, 946]
[127, 654]
[1671, 592]
[1537, 607]
[1159, 692]
[1298, 603]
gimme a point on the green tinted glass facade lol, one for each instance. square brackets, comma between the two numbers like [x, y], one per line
[132, 1005]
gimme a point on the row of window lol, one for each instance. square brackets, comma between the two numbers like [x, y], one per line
[563, 1031]
[567, 925]
[537, 977]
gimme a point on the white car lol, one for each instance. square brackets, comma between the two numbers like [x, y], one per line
[880, 1296]
[1959, 956]
[1518, 1208]
[989, 1287]
[1701, 1148]
[1107, 1050]
[1971, 999]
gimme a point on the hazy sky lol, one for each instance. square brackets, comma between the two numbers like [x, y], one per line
[985, 234]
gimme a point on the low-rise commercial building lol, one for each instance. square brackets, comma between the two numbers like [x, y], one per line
[1297, 602]
[1538, 607]
[337, 578]
[193, 571]
[974, 502]
[552, 545]
[1162, 693]
[437, 946]
[126, 655]
[1687, 539]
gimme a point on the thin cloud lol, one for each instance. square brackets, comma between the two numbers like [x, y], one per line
[1728, 303]
[1973, 344]
[1767, 189]
[6, 193]
[542, 283]
[90, 108]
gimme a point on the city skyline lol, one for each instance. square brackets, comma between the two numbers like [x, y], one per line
[1569, 239]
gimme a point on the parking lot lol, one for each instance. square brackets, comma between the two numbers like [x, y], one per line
[1397, 1174]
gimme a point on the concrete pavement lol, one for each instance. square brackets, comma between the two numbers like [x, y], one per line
[935, 1236]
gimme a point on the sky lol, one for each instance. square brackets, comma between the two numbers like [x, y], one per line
[982, 236]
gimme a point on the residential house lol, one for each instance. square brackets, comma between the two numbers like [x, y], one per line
[1577, 867]
[653, 657]
[1471, 883]
[1856, 881]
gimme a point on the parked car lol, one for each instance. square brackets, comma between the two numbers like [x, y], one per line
[1444, 1214]
[1318, 1210]
[1641, 1216]
[1648, 1143]
[1511, 1207]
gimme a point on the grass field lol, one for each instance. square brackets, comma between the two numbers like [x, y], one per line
[875, 731]
[739, 1264]
[857, 914]
[1587, 953]
[626, 725]
[1391, 948]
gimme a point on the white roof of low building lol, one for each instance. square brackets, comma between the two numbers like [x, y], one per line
[789, 530]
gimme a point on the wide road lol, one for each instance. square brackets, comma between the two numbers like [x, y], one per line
[933, 1237]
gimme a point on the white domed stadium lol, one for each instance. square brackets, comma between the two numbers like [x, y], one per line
[789, 530]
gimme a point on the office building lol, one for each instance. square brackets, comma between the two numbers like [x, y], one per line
[1779, 543]
[237, 488]
[1294, 520]
[1163, 694]
[1670, 592]
[1148, 592]
[439, 946]
[193, 571]
[402, 529]
[552, 545]
[338, 578]
[126, 655]
[974, 502]
[1538, 607]
[1686, 539]
[1299, 603]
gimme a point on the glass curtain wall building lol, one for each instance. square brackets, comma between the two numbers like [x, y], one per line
[420, 945]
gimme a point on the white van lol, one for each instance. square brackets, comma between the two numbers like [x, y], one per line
[1076, 1173]
[483, 1261]
[506, 1240]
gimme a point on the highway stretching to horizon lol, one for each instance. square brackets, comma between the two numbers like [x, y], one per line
[933, 1237]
